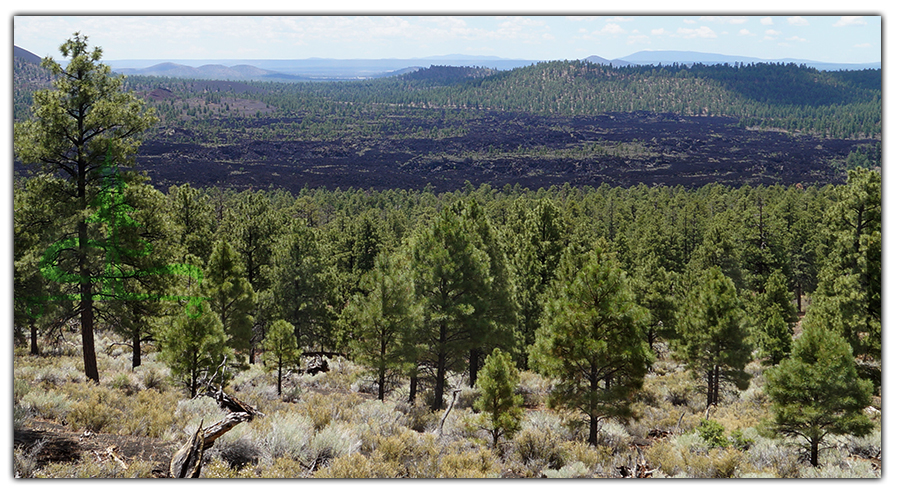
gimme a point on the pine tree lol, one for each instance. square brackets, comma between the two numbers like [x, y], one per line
[592, 340]
[380, 322]
[451, 277]
[848, 298]
[816, 392]
[500, 406]
[712, 336]
[82, 124]
[230, 296]
[302, 288]
[280, 348]
[193, 347]
[773, 316]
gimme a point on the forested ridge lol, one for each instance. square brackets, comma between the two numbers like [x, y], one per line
[564, 331]
[786, 96]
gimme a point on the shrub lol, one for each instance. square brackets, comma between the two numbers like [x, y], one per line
[713, 433]
[538, 450]
[533, 388]
[574, 470]
[593, 457]
[154, 378]
[613, 435]
[472, 463]
[410, 454]
[93, 414]
[49, 404]
[25, 460]
[239, 453]
[356, 466]
[288, 436]
[845, 470]
[88, 467]
[419, 416]
[149, 414]
[335, 440]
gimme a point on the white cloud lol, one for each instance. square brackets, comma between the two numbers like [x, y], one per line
[850, 21]
[797, 21]
[701, 32]
[689, 21]
[767, 21]
[658, 32]
[772, 34]
[619, 19]
[745, 32]
[638, 39]
[612, 29]
[862, 46]
[797, 39]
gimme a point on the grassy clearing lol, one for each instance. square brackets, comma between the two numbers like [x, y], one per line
[330, 425]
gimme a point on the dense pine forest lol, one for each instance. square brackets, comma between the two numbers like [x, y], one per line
[486, 331]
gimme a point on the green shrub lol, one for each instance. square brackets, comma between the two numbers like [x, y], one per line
[288, 436]
[50, 404]
[713, 433]
[471, 463]
[94, 414]
[574, 470]
[335, 440]
[356, 466]
[537, 450]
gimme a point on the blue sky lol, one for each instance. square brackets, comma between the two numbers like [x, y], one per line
[814, 36]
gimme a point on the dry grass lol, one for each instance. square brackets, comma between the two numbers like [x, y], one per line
[331, 425]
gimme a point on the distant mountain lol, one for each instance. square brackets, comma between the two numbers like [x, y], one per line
[314, 68]
[597, 60]
[209, 71]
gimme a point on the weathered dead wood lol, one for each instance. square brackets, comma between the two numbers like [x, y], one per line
[187, 460]
[233, 404]
[440, 429]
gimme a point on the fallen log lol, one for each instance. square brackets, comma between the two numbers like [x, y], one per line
[187, 461]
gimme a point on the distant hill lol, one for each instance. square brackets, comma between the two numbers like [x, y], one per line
[20, 53]
[669, 57]
[317, 69]
[211, 72]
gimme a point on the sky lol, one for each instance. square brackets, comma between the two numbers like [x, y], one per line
[813, 36]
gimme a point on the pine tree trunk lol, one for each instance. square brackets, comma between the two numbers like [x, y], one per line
[136, 350]
[279, 378]
[85, 285]
[413, 385]
[34, 345]
[438, 402]
[87, 333]
[814, 451]
[716, 386]
[709, 388]
[474, 365]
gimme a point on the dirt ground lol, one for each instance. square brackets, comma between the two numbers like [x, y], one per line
[59, 444]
